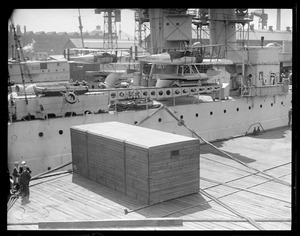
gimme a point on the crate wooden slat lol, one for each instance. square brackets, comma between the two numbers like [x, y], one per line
[145, 164]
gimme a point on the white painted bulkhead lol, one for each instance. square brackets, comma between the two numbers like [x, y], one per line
[211, 120]
[39, 71]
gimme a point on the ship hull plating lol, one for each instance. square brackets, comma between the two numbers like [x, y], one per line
[46, 143]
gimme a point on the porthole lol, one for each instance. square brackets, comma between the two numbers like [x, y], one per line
[281, 103]
[159, 119]
[271, 104]
[196, 114]
[224, 111]
[260, 106]
[49, 168]
[41, 134]
[249, 107]
[135, 122]
[181, 117]
[211, 113]
[237, 109]
[168, 92]
[60, 132]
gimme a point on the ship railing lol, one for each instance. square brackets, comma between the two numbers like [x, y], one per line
[155, 93]
[262, 91]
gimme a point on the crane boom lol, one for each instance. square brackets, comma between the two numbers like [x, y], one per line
[80, 28]
[111, 16]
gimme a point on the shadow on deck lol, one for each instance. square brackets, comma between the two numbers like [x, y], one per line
[278, 133]
[206, 149]
[150, 211]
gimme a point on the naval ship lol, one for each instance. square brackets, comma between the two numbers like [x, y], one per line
[186, 84]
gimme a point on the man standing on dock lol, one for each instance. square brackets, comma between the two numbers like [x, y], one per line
[16, 175]
[24, 167]
[24, 184]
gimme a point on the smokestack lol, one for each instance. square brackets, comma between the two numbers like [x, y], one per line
[221, 33]
[278, 19]
[24, 30]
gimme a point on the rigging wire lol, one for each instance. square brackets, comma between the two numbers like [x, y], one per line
[20, 57]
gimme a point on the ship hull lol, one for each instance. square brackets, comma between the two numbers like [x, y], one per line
[46, 144]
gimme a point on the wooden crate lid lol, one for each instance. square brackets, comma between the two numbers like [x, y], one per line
[132, 134]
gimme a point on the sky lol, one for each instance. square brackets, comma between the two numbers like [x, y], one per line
[60, 20]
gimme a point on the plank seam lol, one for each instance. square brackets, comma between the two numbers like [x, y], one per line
[251, 221]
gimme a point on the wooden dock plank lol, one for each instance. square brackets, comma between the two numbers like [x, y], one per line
[95, 207]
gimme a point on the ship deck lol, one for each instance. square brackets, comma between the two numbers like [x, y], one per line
[232, 196]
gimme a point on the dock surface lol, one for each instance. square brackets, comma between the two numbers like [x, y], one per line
[232, 196]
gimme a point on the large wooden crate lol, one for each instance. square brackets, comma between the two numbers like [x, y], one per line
[146, 164]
